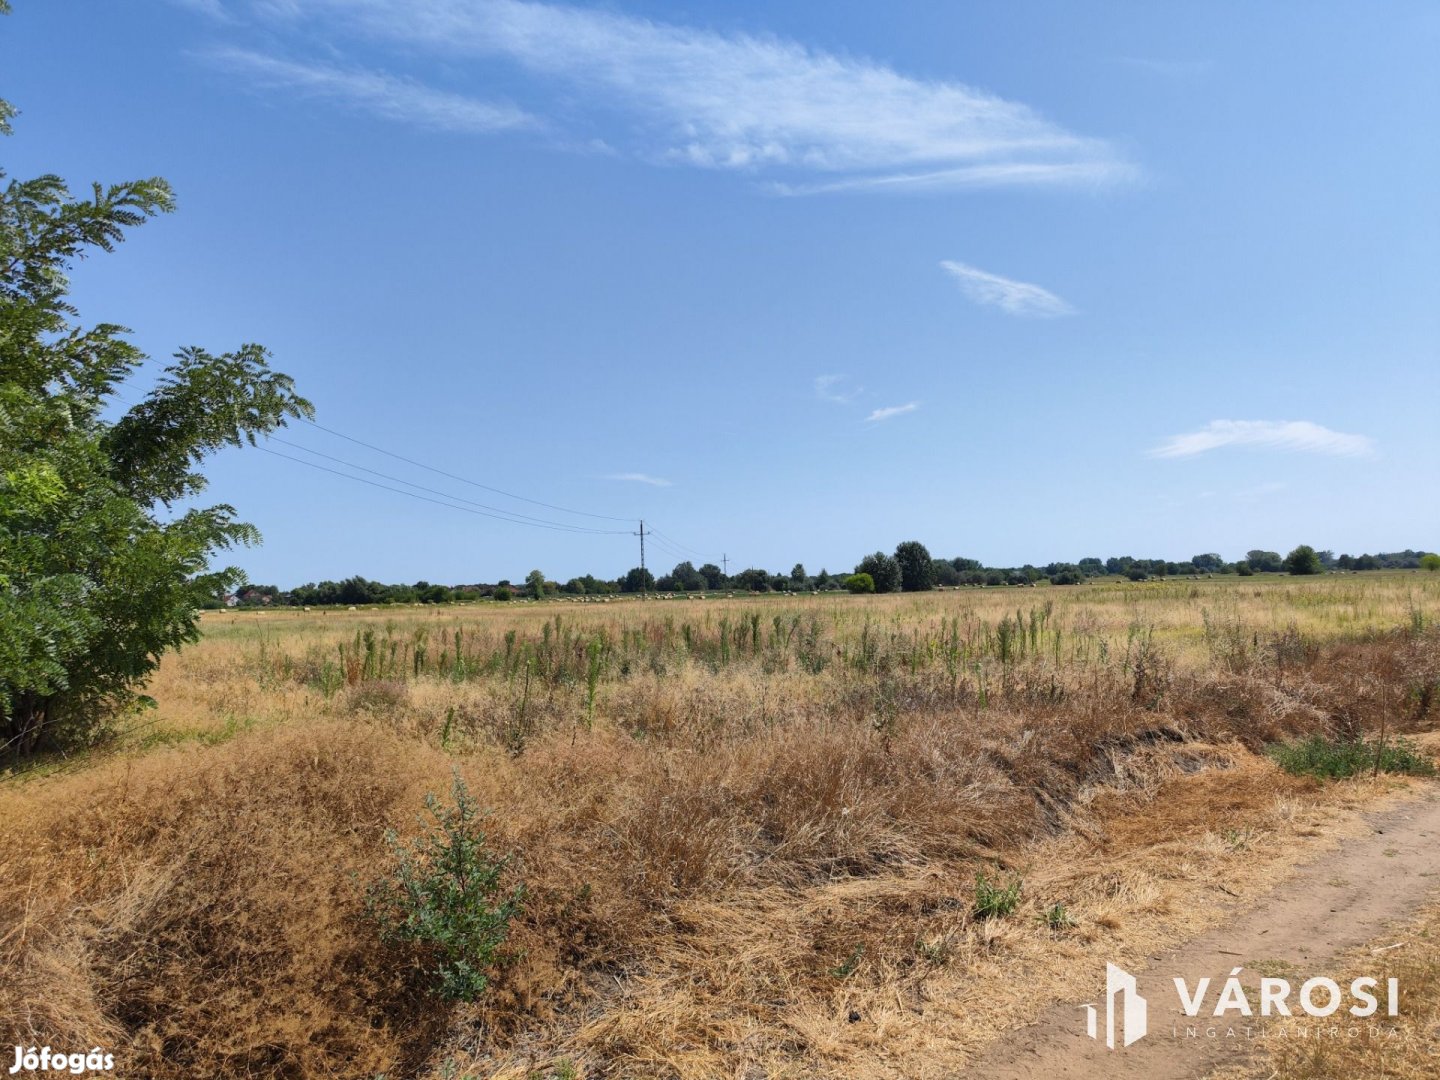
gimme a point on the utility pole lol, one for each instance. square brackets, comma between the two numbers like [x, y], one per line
[642, 559]
[725, 565]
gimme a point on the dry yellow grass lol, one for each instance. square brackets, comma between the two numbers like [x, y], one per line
[1406, 1047]
[770, 821]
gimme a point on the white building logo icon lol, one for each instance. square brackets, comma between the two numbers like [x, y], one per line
[1132, 1009]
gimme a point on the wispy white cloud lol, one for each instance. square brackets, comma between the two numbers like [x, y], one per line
[375, 92]
[640, 478]
[1015, 297]
[1004, 174]
[1296, 435]
[836, 388]
[740, 101]
[891, 411]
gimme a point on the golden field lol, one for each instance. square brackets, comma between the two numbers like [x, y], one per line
[749, 828]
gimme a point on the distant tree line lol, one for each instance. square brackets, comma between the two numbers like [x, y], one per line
[911, 568]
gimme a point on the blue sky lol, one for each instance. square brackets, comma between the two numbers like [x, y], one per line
[1023, 281]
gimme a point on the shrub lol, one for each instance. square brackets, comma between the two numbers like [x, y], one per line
[860, 583]
[993, 900]
[1334, 759]
[378, 695]
[445, 896]
[502, 593]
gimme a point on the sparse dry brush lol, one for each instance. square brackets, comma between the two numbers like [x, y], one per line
[736, 821]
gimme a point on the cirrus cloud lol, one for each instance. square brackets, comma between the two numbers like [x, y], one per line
[1293, 435]
[1013, 297]
[891, 411]
[836, 389]
[375, 92]
[732, 100]
[640, 478]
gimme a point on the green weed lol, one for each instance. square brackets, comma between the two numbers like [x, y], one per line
[994, 900]
[1333, 759]
[445, 897]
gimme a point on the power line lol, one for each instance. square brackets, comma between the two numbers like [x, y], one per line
[477, 508]
[685, 547]
[520, 519]
[438, 502]
[462, 479]
[422, 465]
[660, 541]
[668, 549]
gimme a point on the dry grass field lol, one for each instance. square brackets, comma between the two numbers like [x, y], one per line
[749, 829]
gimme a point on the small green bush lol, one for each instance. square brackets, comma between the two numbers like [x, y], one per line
[444, 896]
[994, 900]
[1334, 759]
[860, 583]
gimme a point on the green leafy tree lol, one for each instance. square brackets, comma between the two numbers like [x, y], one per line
[884, 571]
[1430, 562]
[97, 580]
[713, 575]
[637, 580]
[753, 579]
[1264, 562]
[687, 577]
[1304, 560]
[917, 569]
[535, 585]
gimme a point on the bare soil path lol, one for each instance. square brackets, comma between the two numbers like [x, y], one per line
[1337, 902]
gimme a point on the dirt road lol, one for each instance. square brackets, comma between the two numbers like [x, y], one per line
[1339, 901]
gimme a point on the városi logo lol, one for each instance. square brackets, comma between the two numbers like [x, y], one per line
[1127, 1012]
[1133, 1013]
[44, 1059]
